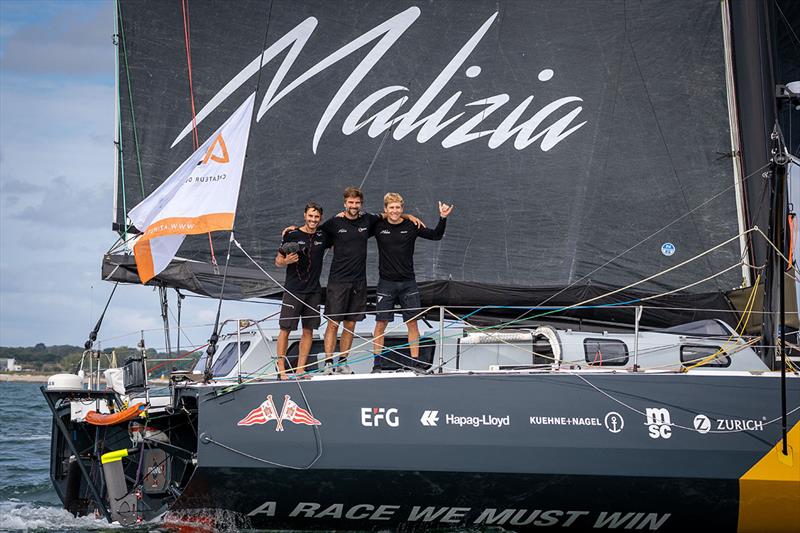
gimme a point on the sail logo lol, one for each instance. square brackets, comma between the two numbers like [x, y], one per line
[658, 423]
[478, 421]
[614, 422]
[223, 151]
[392, 110]
[429, 418]
[291, 412]
[377, 416]
[703, 424]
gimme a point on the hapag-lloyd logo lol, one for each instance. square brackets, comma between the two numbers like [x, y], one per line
[378, 117]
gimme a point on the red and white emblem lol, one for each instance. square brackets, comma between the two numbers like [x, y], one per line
[291, 412]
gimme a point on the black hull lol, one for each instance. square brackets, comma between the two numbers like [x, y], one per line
[565, 450]
[379, 499]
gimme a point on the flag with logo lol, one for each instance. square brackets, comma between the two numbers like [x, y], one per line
[261, 414]
[199, 197]
[296, 414]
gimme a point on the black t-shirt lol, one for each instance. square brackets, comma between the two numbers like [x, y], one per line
[303, 276]
[396, 247]
[349, 240]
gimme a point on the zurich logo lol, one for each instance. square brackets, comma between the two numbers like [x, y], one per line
[667, 249]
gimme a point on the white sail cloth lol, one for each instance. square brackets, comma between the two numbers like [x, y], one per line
[199, 197]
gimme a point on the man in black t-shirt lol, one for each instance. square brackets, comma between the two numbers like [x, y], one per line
[301, 252]
[397, 284]
[346, 295]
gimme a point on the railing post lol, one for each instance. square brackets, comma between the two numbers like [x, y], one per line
[441, 339]
[638, 315]
[239, 350]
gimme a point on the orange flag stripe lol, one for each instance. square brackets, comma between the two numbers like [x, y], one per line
[175, 226]
[189, 225]
[144, 260]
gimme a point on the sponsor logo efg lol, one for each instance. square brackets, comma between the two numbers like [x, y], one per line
[380, 416]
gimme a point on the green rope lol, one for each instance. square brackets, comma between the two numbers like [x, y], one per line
[120, 153]
[130, 97]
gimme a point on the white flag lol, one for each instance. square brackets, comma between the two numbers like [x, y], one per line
[199, 197]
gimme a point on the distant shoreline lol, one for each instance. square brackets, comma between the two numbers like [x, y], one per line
[29, 378]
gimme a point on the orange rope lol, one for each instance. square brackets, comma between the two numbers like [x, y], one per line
[195, 138]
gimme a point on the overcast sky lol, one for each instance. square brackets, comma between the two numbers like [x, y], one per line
[56, 181]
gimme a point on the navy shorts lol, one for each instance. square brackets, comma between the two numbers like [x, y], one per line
[305, 306]
[404, 294]
[346, 300]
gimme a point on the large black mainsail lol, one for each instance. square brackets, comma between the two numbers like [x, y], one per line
[585, 144]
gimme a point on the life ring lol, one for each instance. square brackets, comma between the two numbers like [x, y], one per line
[99, 419]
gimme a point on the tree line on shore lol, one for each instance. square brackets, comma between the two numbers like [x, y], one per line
[66, 358]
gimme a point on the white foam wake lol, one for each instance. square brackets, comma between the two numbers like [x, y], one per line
[16, 516]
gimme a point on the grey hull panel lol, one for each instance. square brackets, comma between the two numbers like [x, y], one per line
[601, 443]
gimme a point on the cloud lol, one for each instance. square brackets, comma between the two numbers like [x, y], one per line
[74, 42]
[13, 186]
[67, 204]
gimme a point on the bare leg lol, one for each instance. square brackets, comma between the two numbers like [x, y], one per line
[347, 340]
[377, 340]
[330, 340]
[305, 347]
[283, 343]
[413, 339]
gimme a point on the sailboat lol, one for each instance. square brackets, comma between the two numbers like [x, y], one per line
[609, 345]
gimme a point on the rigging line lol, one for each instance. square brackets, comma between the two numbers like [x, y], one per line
[378, 151]
[723, 191]
[120, 153]
[186, 40]
[610, 293]
[207, 438]
[214, 335]
[283, 288]
[620, 402]
[786, 21]
[195, 137]
[130, 98]
[663, 139]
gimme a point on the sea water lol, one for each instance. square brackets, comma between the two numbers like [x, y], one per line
[27, 499]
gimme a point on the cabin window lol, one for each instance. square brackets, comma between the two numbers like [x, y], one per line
[605, 352]
[227, 359]
[691, 355]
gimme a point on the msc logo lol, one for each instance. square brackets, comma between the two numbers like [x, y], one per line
[658, 423]
[376, 416]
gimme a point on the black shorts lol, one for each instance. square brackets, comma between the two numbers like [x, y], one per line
[305, 306]
[346, 300]
[402, 293]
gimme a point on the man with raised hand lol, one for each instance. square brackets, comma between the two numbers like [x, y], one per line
[397, 285]
[301, 252]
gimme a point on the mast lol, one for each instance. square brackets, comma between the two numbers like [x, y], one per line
[736, 150]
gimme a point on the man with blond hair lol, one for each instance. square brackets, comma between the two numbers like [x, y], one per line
[397, 284]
